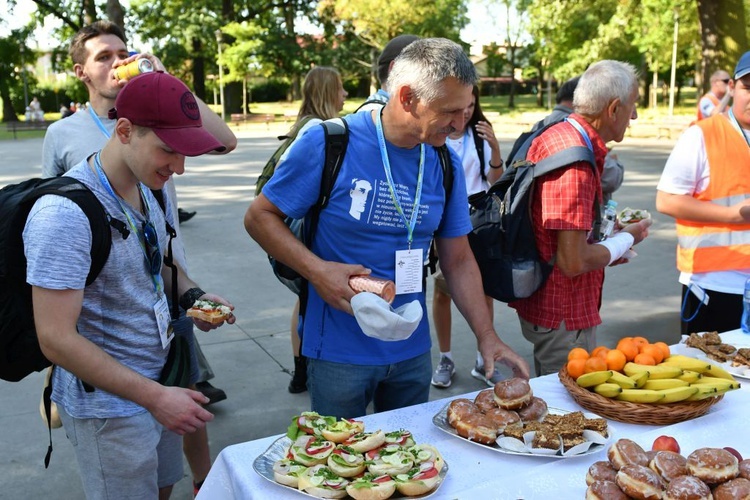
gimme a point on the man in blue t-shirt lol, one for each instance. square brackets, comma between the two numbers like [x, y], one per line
[387, 203]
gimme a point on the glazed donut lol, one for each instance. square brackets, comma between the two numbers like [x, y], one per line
[668, 465]
[604, 490]
[513, 393]
[735, 489]
[536, 410]
[503, 418]
[485, 400]
[712, 465]
[744, 468]
[625, 452]
[600, 471]
[460, 409]
[639, 482]
[477, 427]
[687, 488]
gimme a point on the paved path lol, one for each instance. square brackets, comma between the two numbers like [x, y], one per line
[252, 359]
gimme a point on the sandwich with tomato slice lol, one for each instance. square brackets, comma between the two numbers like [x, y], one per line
[371, 487]
[401, 437]
[320, 481]
[366, 441]
[389, 459]
[286, 471]
[308, 422]
[427, 453]
[418, 480]
[310, 450]
[209, 311]
[346, 462]
[340, 431]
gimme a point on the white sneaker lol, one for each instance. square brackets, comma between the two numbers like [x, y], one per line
[478, 373]
[444, 372]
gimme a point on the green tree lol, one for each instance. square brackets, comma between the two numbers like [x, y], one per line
[724, 35]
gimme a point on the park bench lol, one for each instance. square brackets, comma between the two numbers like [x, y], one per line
[21, 126]
[672, 123]
[237, 118]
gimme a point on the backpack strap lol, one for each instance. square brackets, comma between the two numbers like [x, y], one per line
[479, 145]
[444, 155]
[168, 257]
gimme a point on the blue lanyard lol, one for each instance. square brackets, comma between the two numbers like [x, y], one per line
[105, 182]
[412, 222]
[580, 130]
[736, 125]
[98, 122]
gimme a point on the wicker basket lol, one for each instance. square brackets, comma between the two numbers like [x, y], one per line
[635, 413]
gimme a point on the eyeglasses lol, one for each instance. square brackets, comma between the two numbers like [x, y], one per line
[151, 241]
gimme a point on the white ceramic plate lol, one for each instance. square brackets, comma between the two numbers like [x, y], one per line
[440, 420]
[263, 465]
[735, 338]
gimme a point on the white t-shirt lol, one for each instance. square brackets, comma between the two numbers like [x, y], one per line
[467, 151]
[687, 172]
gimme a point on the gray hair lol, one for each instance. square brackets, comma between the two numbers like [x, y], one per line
[603, 82]
[425, 63]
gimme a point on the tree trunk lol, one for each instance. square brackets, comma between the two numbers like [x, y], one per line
[199, 68]
[89, 12]
[9, 112]
[723, 35]
[512, 61]
[289, 12]
[116, 13]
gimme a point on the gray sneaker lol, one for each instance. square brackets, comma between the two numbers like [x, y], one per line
[444, 372]
[478, 373]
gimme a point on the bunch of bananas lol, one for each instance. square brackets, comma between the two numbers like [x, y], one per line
[677, 378]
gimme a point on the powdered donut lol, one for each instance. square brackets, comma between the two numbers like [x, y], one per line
[605, 490]
[503, 418]
[639, 482]
[536, 410]
[625, 452]
[460, 409]
[485, 400]
[735, 489]
[513, 393]
[600, 471]
[744, 467]
[668, 465]
[477, 427]
[687, 488]
[712, 465]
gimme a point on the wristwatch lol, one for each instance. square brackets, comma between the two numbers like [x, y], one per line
[188, 298]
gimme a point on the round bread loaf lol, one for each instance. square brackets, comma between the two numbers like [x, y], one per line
[738, 488]
[668, 464]
[639, 482]
[605, 490]
[687, 488]
[626, 452]
[513, 393]
[712, 465]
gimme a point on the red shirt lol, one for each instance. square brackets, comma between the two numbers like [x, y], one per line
[564, 201]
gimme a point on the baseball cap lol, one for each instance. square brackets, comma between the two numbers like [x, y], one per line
[393, 48]
[743, 66]
[163, 103]
[379, 320]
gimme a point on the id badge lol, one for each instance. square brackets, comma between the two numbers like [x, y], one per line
[164, 321]
[409, 269]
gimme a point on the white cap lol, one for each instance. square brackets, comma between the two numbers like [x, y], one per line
[379, 320]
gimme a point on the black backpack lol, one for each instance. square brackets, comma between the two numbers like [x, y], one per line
[336, 141]
[20, 354]
[502, 237]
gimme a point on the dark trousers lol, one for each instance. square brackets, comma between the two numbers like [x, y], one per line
[723, 312]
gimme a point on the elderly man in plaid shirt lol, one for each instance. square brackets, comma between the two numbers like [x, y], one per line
[564, 312]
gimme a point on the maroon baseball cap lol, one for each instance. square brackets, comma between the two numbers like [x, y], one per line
[163, 103]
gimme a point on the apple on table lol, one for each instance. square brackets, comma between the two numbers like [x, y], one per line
[666, 443]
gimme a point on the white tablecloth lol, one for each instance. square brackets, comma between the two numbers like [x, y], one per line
[479, 472]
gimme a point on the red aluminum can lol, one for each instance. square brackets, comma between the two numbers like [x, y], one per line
[133, 69]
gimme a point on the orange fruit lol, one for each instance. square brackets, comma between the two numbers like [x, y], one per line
[645, 359]
[575, 367]
[615, 360]
[664, 348]
[600, 351]
[640, 340]
[594, 364]
[628, 348]
[578, 353]
[652, 351]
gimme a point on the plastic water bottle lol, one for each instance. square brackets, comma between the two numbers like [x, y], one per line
[608, 220]
[746, 308]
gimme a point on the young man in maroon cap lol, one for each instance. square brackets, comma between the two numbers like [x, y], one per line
[113, 335]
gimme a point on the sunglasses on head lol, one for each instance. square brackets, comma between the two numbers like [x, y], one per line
[151, 241]
[725, 80]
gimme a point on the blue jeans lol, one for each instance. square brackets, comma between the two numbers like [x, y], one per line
[344, 390]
